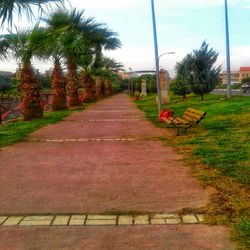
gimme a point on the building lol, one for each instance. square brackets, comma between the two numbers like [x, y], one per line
[6, 73]
[123, 75]
[244, 72]
[234, 77]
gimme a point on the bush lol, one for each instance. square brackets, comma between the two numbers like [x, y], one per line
[5, 84]
[180, 88]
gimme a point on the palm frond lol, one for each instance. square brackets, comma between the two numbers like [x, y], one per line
[9, 7]
[4, 45]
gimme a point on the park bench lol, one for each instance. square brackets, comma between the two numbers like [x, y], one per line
[190, 118]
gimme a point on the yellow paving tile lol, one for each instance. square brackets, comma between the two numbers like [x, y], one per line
[2, 219]
[101, 217]
[77, 220]
[38, 217]
[141, 220]
[173, 221]
[158, 221]
[200, 217]
[12, 221]
[165, 216]
[100, 222]
[189, 219]
[61, 220]
[125, 220]
[35, 223]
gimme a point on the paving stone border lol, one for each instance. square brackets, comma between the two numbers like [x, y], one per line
[111, 120]
[111, 111]
[83, 140]
[104, 120]
[99, 220]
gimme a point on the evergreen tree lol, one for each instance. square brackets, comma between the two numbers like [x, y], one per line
[181, 84]
[203, 75]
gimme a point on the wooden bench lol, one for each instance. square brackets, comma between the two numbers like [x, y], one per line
[190, 118]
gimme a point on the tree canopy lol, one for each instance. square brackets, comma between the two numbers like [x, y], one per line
[197, 71]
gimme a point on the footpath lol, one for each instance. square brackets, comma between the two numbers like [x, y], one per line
[102, 179]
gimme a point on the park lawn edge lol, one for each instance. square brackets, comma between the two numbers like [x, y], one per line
[17, 131]
[229, 203]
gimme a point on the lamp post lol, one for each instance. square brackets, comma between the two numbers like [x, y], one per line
[229, 90]
[167, 53]
[156, 58]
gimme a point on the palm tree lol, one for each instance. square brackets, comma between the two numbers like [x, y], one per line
[73, 30]
[20, 47]
[49, 46]
[101, 38]
[87, 81]
[104, 39]
[8, 7]
[71, 46]
[110, 64]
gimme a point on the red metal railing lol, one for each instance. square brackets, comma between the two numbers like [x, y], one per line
[7, 111]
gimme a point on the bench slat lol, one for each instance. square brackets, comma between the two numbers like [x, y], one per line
[191, 119]
[196, 111]
[168, 120]
[192, 115]
[181, 120]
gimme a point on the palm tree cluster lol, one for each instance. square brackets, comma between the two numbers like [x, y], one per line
[71, 40]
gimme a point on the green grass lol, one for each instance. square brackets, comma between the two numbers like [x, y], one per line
[221, 141]
[17, 131]
[243, 230]
[224, 142]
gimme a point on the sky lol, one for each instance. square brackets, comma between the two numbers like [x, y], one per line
[182, 25]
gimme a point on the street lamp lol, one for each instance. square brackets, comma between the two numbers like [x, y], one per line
[229, 90]
[156, 58]
[167, 53]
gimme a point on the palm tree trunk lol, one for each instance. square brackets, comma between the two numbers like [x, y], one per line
[87, 83]
[99, 86]
[58, 88]
[107, 88]
[94, 90]
[98, 56]
[30, 94]
[72, 86]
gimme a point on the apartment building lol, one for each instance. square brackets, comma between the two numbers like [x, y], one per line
[244, 72]
[236, 76]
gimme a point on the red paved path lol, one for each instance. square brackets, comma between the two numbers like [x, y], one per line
[99, 177]
[117, 238]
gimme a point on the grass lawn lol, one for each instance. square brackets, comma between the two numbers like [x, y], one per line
[220, 149]
[17, 131]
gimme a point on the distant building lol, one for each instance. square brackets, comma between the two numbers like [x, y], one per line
[123, 75]
[244, 72]
[236, 76]
[6, 73]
